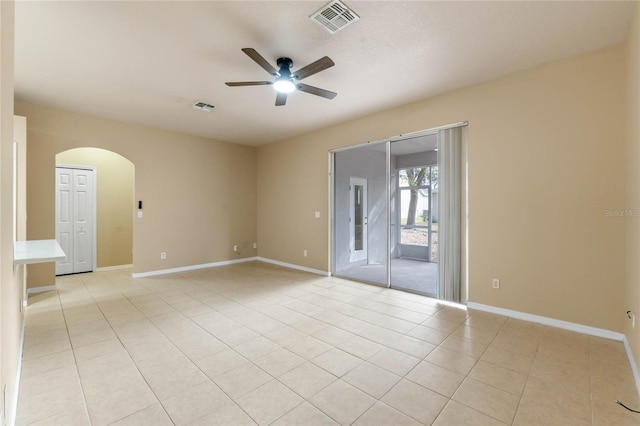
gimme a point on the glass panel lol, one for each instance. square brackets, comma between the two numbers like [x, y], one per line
[359, 217]
[414, 177]
[414, 162]
[360, 214]
[432, 177]
[433, 237]
[414, 217]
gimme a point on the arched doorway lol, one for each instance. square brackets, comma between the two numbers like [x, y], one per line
[113, 183]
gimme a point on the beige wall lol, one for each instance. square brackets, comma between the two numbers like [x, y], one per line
[545, 153]
[632, 202]
[11, 284]
[114, 202]
[292, 186]
[199, 195]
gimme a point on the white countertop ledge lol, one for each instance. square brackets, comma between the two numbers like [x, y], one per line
[37, 251]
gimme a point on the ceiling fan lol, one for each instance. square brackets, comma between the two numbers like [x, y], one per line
[284, 80]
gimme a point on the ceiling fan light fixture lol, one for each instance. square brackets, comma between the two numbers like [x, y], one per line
[284, 85]
[284, 80]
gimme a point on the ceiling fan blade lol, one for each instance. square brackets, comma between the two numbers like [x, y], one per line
[314, 67]
[248, 83]
[316, 91]
[281, 99]
[258, 59]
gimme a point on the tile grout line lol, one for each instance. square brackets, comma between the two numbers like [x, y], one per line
[524, 388]
[75, 360]
[304, 399]
[129, 354]
[309, 360]
[192, 362]
[470, 370]
[385, 345]
[251, 362]
[515, 413]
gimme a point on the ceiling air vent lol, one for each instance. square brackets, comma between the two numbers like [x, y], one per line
[203, 106]
[334, 16]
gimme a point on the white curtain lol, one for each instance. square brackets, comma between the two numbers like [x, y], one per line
[449, 213]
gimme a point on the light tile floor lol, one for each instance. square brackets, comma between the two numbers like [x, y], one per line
[253, 343]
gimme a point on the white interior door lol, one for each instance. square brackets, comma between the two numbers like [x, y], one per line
[75, 204]
[83, 220]
[64, 218]
[358, 219]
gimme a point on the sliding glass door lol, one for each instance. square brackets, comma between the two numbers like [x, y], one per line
[390, 199]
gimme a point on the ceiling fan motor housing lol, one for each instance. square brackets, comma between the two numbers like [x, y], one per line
[285, 65]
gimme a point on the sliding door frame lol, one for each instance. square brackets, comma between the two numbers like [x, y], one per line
[332, 219]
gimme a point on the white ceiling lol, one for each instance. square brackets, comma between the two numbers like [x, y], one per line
[146, 62]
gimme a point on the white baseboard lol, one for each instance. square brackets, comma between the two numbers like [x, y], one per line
[566, 325]
[113, 268]
[192, 267]
[632, 361]
[228, 262]
[14, 402]
[293, 266]
[41, 289]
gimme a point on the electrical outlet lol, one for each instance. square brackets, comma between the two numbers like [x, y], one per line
[235, 248]
[255, 245]
[163, 255]
[496, 283]
[304, 253]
